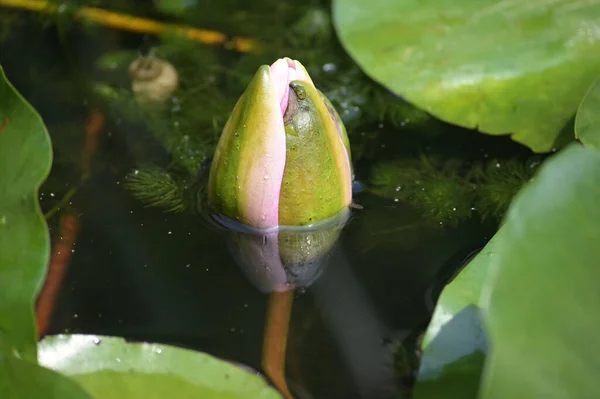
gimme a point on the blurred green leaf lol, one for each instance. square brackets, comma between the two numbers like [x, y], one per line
[455, 343]
[23, 379]
[459, 381]
[25, 160]
[535, 285]
[112, 368]
[501, 66]
[452, 364]
[587, 121]
[541, 304]
[464, 290]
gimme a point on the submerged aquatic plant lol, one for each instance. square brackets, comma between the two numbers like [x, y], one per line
[166, 192]
[447, 192]
[431, 185]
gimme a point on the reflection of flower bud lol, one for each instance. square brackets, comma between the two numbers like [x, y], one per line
[282, 167]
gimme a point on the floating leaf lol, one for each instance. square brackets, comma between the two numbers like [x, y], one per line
[503, 66]
[464, 290]
[23, 379]
[587, 121]
[542, 312]
[455, 343]
[535, 285]
[452, 364]
[25, 159]
[111, 368]
[459, 381]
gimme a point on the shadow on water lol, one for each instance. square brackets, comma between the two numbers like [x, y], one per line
[144, 274]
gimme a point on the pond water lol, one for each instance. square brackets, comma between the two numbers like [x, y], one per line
[146, 274]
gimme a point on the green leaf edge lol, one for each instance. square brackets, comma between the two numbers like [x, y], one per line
[89, 359]
[578, 121]
[42, 268]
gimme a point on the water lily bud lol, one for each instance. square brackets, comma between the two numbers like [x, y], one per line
[283, 157]
[281, 178]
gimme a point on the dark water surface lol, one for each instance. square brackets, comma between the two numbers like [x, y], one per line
[145, 274]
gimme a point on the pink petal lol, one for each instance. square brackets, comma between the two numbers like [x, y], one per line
[265, 155]
[284, 71]
[280, 75]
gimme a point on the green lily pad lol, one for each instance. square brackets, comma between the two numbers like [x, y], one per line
[25, 159]
[452, 363]
[463, 291]
[109, 367]
[541, 307]
[23, 379]
[459, 381]
[502, 66]
[456, 343]
[587, 121]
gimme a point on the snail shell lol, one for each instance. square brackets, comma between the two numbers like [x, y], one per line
[152, 79]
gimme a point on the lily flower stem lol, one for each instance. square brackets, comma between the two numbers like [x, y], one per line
[275, 339]
[140, 25]
[57, 269]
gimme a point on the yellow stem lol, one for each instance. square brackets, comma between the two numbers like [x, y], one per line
[141, 25]
[275, 339]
